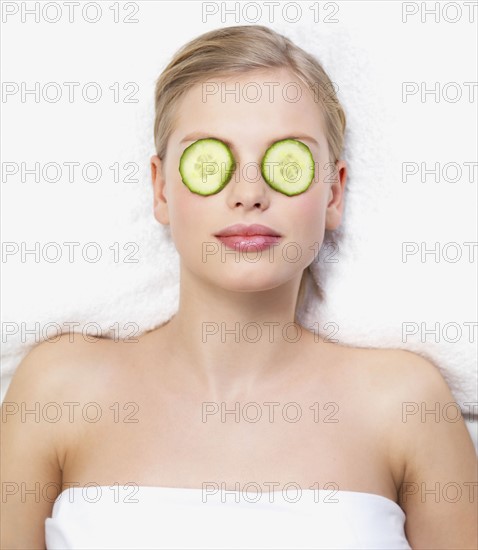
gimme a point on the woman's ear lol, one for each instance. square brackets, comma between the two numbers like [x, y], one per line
[160, 206]
[336, 198]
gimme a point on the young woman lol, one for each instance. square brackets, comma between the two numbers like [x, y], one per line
[231, 426]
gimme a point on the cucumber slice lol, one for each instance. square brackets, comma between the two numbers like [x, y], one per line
[206, 166]
[288, 167]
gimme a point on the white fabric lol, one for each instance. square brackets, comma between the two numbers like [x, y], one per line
[166, 517]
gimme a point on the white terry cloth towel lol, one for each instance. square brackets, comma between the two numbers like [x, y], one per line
[406, 258]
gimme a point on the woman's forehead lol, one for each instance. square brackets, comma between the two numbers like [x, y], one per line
[252, 87]
[236, 106]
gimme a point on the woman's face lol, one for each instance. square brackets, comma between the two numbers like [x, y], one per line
[227, 109]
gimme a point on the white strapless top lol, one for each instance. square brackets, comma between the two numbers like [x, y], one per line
[122, 517]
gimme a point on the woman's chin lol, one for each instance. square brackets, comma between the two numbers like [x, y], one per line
[250, 282]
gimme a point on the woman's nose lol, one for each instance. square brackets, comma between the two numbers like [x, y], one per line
[248, 187]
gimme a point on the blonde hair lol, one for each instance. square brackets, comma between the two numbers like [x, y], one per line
[237, 50]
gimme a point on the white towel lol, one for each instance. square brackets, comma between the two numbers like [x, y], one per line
[373, 295]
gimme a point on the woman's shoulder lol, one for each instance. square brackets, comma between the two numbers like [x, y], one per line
[395, 388]
[411, 377]
[66, 379]
[68, 367]
[398, 372]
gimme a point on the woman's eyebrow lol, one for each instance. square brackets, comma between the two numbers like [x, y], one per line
[202, 135]
[205, 135]
[309, 138]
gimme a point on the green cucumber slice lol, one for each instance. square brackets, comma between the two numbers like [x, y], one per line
[206, 166]
[288, 167]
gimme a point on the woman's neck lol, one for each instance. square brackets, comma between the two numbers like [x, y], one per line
[230, 341]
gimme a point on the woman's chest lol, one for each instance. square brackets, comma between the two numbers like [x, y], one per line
[308, 439]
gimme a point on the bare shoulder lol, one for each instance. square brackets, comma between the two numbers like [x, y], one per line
[413, 373]
[60, 381]
[68, 363]
[413, 383]
[36, 410]
[429, 446]
[398, 372]
[406, 387]
[55, 383]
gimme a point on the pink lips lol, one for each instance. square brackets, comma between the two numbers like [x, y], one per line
[250, 238]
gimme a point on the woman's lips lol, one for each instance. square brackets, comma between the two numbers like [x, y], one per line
[249, 243]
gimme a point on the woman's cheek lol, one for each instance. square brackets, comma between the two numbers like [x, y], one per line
[310, 225]
[191, 223]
